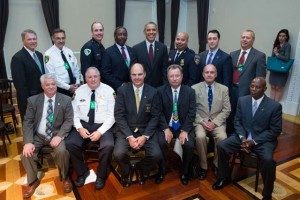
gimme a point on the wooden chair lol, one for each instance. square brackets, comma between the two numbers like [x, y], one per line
[250, 160]
[3, 133]
[7, 108]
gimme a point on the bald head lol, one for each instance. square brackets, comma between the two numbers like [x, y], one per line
[258, 87]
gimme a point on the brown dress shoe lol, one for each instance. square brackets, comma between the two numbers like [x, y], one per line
[29, 190]
[67, 185]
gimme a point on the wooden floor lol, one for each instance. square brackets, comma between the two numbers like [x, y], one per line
[171, 188]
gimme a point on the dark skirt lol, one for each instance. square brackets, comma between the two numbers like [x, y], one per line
[278, 78]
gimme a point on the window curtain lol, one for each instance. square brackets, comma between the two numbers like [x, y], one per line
[161, 16]
[202, 14]
[3, 26]
[120, 12]
[51, 13]
[174, 21]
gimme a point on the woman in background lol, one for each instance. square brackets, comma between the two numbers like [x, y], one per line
[281, 50]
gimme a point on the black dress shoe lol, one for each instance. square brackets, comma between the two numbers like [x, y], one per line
[159, 179]
[220, 183]
[202, 174]
[100, 182]
[126, 180]
[184, 179]
[81, 179]
[140, 175]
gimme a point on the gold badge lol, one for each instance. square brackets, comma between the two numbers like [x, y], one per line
[181, 62]
[136, 130]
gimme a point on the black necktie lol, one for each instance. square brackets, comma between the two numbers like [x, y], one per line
[151, 54]
[91, 113]
[68, 68]
[177, 55]
[210, 97]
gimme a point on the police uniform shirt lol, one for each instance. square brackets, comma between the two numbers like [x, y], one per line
[104, 107]
[42, 126]
[55, 64]
[91, 54]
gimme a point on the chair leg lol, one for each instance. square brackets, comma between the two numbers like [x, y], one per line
[15, 120]
[232, 164]
[257, 174]
[4, 144]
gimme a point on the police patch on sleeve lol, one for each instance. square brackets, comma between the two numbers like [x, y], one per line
[197, 59]
[114, 94]
[87, 52]
[46, 59]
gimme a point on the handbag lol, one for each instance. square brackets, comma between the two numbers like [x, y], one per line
[276, 65]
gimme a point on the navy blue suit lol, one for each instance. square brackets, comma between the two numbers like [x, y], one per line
[189, 67]
[114, 70]
[222, 61]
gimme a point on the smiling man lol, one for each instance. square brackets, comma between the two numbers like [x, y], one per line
[91, 54]
[258, 123]
[184, 57]
[117, 60]
[153, 56]
[61, 61]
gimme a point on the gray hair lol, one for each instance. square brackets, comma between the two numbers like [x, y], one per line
[174, 66]
[47, 76]
[27, 31]
[92, 68]
[248, 30]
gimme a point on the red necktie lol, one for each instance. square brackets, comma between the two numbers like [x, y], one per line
[151, 54]
[238, 69]
[123, 53]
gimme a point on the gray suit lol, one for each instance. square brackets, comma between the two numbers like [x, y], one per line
[62, 123]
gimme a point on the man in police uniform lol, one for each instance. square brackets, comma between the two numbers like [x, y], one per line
[91, 53]
[93, 105]
[61, 61]
[184, 57]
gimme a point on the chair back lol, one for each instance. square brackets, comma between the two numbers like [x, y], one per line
[6, 91]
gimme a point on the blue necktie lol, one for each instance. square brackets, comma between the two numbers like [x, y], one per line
[209, 58]
[37, 61]
[210, 97]
[254, 108]
[175, 121]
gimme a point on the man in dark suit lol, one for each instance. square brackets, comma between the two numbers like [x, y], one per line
[178, 105]
[48, 120]
[184, 57]
[117, 60]
[247, 63]
[153, 56]
[217, 57]
[258, 123]
[27, 66]
[137, 116]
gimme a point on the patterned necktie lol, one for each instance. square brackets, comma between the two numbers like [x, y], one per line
[49, 120]
[137, 99]
[175, 121]
[37, 61]
[210, 97]
[91, 113]
[209, 58]
[239, 68]
[124, 56]
[68, 68]
[151, 54]
[254, 108]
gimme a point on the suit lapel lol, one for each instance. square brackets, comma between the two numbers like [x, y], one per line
[32, 62]
[248, 60]
[144, 98]
[40, 107]
[56, 107]
[146, 54]
[156, 53]
[217, 57]
[119, 55]
[216, 93]
[131, 97]
[203, 94]
[260, 109]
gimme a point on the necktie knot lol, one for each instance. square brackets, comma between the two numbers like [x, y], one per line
[50, 100]
[210, 58]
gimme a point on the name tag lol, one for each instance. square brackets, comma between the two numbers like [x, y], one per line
[66, 66]
[92, 105]
[51, 117]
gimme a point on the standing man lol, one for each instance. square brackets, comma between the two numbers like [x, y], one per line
[48, 120]
[61, 61]
[184, 57]
[247, 63]
[117, 60]
[137, 116]
[178, 104]
[93, 106]
[92, 52]
[153, 56]
[27, 66]
[213, 108]
[258, 123]
[217, 57]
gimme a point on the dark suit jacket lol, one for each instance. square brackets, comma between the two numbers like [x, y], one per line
[186, 106]
[62, 118]
[255, 66]
[26, 76]
[222, 61]
[114, 69]
[189, 67]
[265, 125]
[126, 116]
[156, 75]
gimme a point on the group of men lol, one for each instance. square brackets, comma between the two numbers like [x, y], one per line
[151, 97]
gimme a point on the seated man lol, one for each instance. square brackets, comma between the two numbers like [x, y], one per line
[178, 104]
[48, 120]
[213, 108]
[93, 106]
[258, 123]
[137, 116]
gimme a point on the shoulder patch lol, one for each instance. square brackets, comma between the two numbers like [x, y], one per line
[74, 95]
[114, 94]
[87, 52]
[46, 59]
[197, 59]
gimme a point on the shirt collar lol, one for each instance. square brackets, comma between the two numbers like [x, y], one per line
[140, 88]
[47, 98]
[258, 100]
